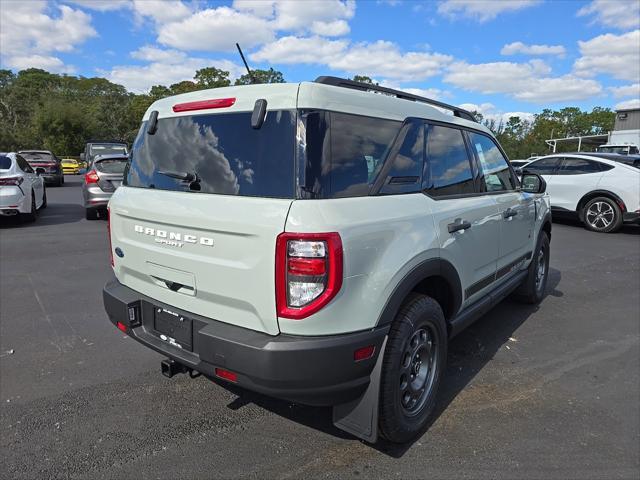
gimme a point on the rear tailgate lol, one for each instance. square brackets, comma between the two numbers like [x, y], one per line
[216, 251]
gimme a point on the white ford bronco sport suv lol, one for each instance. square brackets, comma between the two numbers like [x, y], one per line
[320, 242]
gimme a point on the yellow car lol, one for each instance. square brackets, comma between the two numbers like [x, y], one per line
[70, 166]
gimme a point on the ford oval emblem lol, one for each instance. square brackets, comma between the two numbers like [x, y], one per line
[119, 252]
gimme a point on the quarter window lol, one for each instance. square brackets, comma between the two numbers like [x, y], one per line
[578, 166]
[23, 164]
[447, 165]
[495, 170]
[406, 167]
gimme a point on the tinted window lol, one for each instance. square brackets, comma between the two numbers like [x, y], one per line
[5, 163]
[344, 153]
[37, 157]
[223, 151]
[578, 166]
[494, 167]
[447, 166]
[111, 165]
[24, 166]
[108, 149]
[405, 172]
[546, 166]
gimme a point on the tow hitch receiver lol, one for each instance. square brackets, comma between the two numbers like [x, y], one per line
[171, 367]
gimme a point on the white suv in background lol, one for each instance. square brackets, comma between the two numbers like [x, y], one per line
[22, 190]
[604, 193]
[320, 242]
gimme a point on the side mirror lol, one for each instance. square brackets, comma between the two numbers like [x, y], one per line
[533, 183]
[39, 171]
[82, 157]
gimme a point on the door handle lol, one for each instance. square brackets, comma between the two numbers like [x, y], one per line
[458, 224]
[508, 213]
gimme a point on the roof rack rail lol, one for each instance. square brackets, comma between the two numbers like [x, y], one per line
[366, 87]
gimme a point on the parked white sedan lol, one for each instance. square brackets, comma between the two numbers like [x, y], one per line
[22, 190]
[604, 193]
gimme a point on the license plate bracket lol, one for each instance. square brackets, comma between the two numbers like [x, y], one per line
[174, 328]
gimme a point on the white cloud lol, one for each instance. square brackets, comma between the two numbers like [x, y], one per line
[433, 93]
[631, 103]
[379, 59]
[291, 50]
[330, 29]
[216, 29]
[165, 67]
[481, 10]
[28, 33]
[162, 11]
[490, 112]
[626, 91]
[45, 62]
[622, 14]
[610, 54]
[523, 81]
[521, 48]
[102, 5]
[296, 16]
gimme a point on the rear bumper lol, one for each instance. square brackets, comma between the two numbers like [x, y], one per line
[307, 370]
[95, 197]
[13, 200]
[631, 217]
[52, 177]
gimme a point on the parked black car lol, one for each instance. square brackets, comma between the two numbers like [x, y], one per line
[46, 160]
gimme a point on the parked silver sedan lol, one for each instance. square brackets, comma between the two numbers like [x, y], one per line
[104, 175]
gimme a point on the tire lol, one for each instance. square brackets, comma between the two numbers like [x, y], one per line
[602, 214]
[534, 286]
[31, 216]
[408, 388]
[61, 182]
[91, 213]
[44, 198]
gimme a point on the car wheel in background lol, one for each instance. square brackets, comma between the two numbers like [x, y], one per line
[91, 214]
[602, 214]
[31, 216]
[413, 366]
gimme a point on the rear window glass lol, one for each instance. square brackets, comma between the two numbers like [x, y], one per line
[37, 157]
[344, 152]
[111, 165]
[108, 149]
[5, 163]
[218, 153]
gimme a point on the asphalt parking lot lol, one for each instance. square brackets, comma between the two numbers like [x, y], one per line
[547, 392]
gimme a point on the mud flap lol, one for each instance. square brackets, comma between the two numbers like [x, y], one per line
[360, 417]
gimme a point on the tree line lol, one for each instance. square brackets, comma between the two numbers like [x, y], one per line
[60, 113]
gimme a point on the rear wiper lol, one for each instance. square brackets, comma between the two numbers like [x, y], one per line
[184, 176]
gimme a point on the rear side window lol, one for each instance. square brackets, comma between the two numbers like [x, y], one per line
[5, 163]
[111, 165]
[546, 166]
[23, 164]
[405, 172]
[344, 153]
[447, 165]
[496, 174]
[221, 152]
[578, 166]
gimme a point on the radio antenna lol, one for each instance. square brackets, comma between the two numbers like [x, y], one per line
[253, 80]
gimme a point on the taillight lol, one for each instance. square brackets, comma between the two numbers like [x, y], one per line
[14, 181]
[204, 104]
[308, 272]
[91, 177]
[109, 234]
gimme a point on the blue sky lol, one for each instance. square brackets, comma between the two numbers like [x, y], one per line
[498, 57]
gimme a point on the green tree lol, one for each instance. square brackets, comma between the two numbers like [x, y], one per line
[212, 77]
[261, 76]
[363, 79]
[185, 86]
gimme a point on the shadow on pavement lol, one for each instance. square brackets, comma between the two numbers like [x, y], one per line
[469, 352]
[54, 214]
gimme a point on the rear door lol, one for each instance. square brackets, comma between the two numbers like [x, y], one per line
[574, 178]
[467, 220]
[516, 208]
[204, 199]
